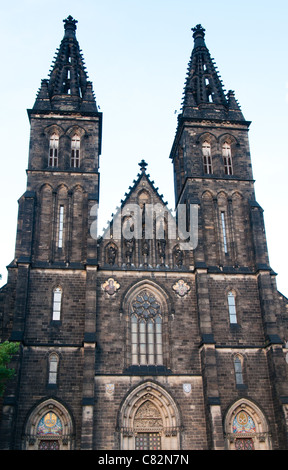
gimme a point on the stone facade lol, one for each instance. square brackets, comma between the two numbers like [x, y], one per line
[142, 342]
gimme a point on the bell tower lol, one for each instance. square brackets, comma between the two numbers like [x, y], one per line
[63, 176]
[54, 268]
[212, 167]
[213, 170]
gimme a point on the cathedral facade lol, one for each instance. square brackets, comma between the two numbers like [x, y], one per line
[168, 332]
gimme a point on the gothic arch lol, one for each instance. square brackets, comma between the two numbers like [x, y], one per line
[53, 129]
[211, 138]
[142, 285]
[77, 188]
[75, 130]
[207, 195]
[229, 138]
[237, 196]
[246, 427]
[222, 195]
[160, 305]
[143, 197]
[111, 253]
[49, 425]
[62, 188]
[149, 410]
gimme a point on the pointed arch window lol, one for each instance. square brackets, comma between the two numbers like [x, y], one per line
[53, 150]
[224, 232]
[146, 331]
[246, 427]
[232, 308]
[60, 226]
[227, 157]
[75, 152]
[207, 160]
[57, 304]
[49, 427]
[238, 368]
[53, 369]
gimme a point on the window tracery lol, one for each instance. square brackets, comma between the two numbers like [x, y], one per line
[146, 330]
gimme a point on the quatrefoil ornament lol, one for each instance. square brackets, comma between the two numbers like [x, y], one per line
[181, 288]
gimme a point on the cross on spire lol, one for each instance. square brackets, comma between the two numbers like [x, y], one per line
[143, 166]
[70, 26]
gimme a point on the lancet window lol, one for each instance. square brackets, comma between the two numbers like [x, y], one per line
[232, 308]
[146, 330]
[53, 150]
[238, 370]
[57, 303]
[227, 157]
[53, 369]
[207, 159]
[75, 152]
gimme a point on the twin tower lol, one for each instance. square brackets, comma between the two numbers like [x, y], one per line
[133, 342]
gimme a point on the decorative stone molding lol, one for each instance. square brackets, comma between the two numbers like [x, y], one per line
[110, 286]
[181, 288]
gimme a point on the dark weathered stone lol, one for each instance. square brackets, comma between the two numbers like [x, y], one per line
[99, 391]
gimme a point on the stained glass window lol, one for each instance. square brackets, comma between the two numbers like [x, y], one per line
[49, 425]
[243, 423]
[146, 305]
[148, 441]
[146, 331]
[244, 444]
[49, 445]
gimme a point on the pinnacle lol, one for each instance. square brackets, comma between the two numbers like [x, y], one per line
[204, 90]
[68, 83]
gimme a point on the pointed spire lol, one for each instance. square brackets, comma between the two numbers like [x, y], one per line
[204, 94]
[68, 86]
[203, 84]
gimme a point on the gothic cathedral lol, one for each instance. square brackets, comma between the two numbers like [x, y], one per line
[167, 332]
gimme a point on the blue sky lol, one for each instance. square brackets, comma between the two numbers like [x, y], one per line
[136, 53]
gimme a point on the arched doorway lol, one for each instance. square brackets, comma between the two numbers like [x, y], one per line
[49, 427]
[149, 420]
[246, 427]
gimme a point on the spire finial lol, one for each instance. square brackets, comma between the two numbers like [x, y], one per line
[199, 35]
[70, 26]
[198, 30]
[143, 166]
